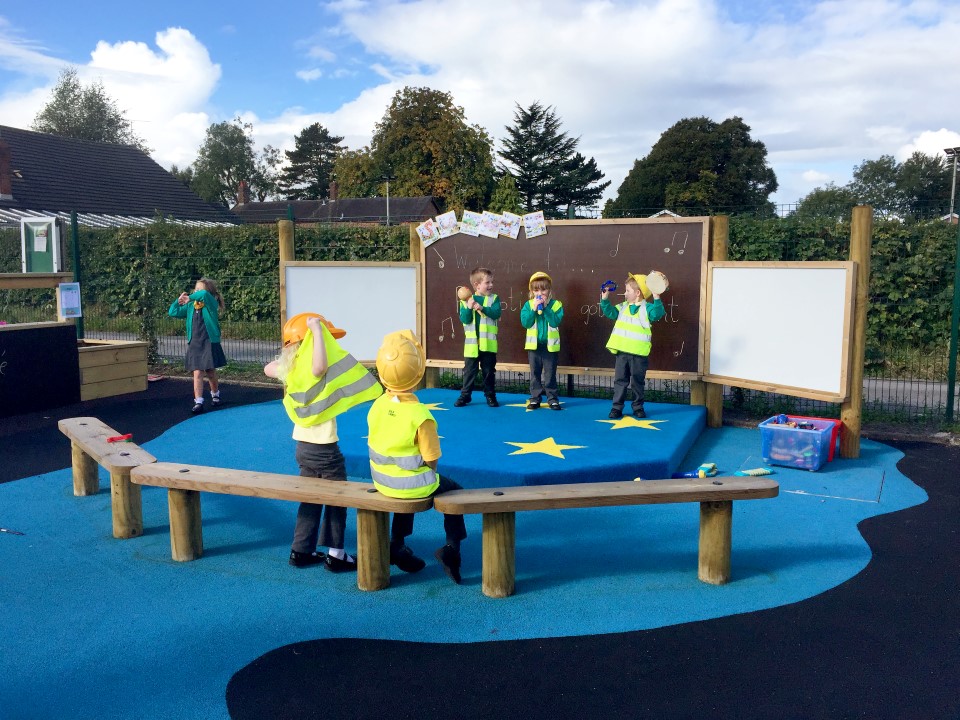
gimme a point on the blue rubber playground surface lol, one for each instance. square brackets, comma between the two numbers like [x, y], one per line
[95, 627]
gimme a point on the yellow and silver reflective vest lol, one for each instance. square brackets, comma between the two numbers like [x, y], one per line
[553, 334]
[396, 466]
[487, 342]
[310, 400]
[631, 332]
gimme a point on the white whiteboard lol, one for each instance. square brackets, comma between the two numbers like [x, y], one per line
[367, 299]
[781, 327]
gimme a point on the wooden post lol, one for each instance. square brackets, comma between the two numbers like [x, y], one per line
[499, 564]
[373, 549]
[431, 377]
[126, 505]
[86, 474]
[851, 410]
[186, 533]
[719, 242]
[716, 519]
[285, 246]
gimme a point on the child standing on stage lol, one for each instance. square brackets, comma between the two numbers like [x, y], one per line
[541, 316]
[320, 381]
[479, 314]
[202, 309]
[631, 341]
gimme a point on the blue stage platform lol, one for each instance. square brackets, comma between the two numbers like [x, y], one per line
[510, 445]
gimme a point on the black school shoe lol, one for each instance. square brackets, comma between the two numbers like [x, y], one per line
[339, 565]
[404, 559]
[449, 558]
[639, 413]
[555, 405]
[533, 404]
[302, 560]
[615, 414]
[197, 408]
[492, 401]
[461, 401]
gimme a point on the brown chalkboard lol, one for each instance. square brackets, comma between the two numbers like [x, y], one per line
[578, 255]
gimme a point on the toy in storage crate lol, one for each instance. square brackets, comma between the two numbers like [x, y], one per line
[796, 441]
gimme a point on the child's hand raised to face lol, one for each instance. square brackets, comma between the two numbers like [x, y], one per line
[314, 324]
[183, 299]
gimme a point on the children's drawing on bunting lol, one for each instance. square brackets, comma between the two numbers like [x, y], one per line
[447, 223]
[428, 231]
[470, 223]
[510, 225]
[534, 224]
[489, 224]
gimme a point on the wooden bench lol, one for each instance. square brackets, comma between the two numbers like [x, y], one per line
[88, 447]
[184, 484]
[499, 505]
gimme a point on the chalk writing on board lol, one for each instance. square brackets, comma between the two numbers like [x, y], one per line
[616, 250]
[3, 363]
[588, 310]
[441, 263]
[680, 233]
[671, 317]
[678, 353]
[452, 326]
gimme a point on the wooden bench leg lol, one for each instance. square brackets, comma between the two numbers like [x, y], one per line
[126, 505]
[373, 549]
[86, 479]
[716, 521]
[186, 533]
[499, 546]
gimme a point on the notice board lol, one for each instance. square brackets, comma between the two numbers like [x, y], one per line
[579, 255]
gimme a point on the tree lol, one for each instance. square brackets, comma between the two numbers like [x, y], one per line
[85, 113]
[355, 174]
[698, 163]
[919, 186]
[310, 164]
[506, 197]
[424, 143]
[265, 183]
[184, 175]
[830, 201]
[548, 171]
[225, 158]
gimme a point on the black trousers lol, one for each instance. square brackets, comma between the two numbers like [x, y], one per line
[630, 370]
[453, 525]
[487, 364]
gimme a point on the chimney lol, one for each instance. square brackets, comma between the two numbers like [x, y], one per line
[243, 193]
[333, 191]
[6, 172]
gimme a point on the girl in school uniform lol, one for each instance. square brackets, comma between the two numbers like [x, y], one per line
[201, 309]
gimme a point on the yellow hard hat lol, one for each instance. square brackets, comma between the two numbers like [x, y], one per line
[400, 361]
[295, 329]
[539, 275]
[642, 283]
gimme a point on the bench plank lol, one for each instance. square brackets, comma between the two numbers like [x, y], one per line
[185, 482]
[499, 505]
[88, 446]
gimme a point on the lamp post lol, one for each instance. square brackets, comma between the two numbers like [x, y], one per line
[387, 179]
[952, 362]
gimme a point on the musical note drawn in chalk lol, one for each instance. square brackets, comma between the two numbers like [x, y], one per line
[616, 250]
[678, 353]
[685, 235]
[440, 264]
[452, 326]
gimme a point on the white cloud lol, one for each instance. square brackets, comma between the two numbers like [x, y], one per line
[815, 177]
[929, 142]
[310, 75]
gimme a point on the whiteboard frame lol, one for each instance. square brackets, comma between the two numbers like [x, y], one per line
[746, 319]
[373, 305]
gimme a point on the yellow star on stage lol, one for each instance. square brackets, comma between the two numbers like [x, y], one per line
[435, 406]
[630, 422]
[548, 446]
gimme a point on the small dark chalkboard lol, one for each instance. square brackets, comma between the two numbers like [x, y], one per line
[579, 255]
[39, 367]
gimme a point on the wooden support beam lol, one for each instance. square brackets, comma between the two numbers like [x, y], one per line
[716, 524]
[499, 560]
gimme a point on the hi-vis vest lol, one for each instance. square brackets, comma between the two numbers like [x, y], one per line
[488, 331]
[311, 400]
[396, 466]
[631, 333]
[553, 334]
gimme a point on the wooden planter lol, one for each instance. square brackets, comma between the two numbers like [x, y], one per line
[111, 367]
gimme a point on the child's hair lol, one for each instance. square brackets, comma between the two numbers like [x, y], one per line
[288, 354]
[631, 280]
[211, 287]
[479, 273]
[539, 285]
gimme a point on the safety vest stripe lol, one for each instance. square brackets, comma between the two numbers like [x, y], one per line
[631, 334]
[403, 482]
[365, 382]
[341, 367]
[409, 462]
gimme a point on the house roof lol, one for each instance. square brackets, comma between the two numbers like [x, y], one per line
[105, 184]
[370, 210]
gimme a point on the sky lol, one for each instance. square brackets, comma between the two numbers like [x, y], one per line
[824, 84]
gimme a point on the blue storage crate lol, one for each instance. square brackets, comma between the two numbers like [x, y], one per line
[804, 448]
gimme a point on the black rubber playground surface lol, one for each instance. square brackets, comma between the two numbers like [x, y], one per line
[883, 644]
